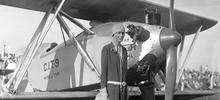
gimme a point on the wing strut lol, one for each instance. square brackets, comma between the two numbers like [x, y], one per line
[76, 22]
[78, 46]
[188, 53]
[33, 46]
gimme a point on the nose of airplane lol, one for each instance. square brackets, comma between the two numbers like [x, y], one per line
[169, 37]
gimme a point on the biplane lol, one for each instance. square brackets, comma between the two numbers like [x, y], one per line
[72, 69]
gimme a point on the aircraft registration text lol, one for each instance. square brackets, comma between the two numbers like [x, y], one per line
[51, 65]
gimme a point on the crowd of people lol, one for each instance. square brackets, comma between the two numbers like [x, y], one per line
[8, 62]
[199, 80]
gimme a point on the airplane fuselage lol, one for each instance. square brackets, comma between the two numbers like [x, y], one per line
[63, 67]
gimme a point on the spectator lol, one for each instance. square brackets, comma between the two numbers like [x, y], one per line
[1, 62]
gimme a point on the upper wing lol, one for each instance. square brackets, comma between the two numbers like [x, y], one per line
[118, 10]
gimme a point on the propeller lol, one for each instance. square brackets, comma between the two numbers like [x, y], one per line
[169, 41]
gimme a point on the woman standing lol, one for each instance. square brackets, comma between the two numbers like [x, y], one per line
[114, 66]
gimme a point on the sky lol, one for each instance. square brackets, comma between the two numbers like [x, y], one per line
[18, 25]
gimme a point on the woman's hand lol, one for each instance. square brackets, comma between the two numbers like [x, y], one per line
[102, 95]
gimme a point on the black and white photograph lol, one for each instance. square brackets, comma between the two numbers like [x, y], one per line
[109, 50]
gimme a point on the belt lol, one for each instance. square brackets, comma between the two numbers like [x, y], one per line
[117, 83]
[144, 82]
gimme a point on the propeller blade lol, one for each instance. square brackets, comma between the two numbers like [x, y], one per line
[171, 70]
[172, 20]
[169, 40]
[171, 60]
